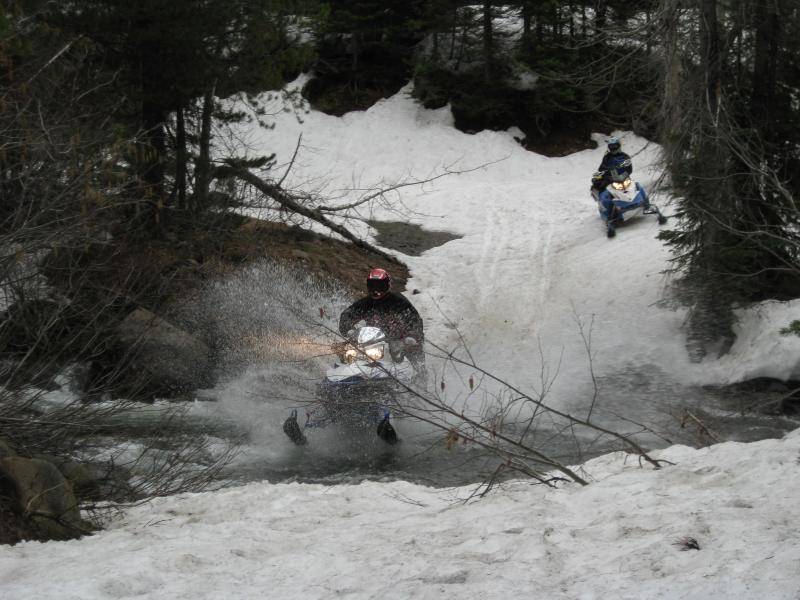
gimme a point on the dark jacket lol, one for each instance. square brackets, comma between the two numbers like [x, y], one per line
[393, 313]
[612, 160]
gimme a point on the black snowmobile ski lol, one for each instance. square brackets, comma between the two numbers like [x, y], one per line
[293, 430]
[386, 432]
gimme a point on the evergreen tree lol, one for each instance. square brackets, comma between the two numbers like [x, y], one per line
[365, 49]
[731, 143]
[168, 54]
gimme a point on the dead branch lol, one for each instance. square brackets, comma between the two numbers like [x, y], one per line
[391, 188]
[583, 422]
[292, 202]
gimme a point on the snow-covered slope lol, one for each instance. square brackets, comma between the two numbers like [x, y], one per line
[532, 261]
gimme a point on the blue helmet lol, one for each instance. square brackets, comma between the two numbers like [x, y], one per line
[613, 144]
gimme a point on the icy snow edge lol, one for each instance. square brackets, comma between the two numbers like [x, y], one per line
[760, 350]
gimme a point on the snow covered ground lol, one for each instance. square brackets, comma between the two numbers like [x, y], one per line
[615, 538]
[532, 263]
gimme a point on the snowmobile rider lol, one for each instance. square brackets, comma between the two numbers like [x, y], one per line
[390, 311]
[614, 160]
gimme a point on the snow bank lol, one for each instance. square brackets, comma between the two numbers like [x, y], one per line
[760, 349]
[615, 538]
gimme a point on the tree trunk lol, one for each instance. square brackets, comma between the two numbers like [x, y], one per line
[571, 23]
[539, 27]
[153, 118]
[356, 50]
[154, 151]
[583, 20]
[488, 41]
[453, 33]
[600, 10]
[767, 41]
[527, 34]
[180, 159]
[558, 28]
[709, 38]
[671, 101]
[202, 179]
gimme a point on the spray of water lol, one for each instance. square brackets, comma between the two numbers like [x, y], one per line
[271, 327]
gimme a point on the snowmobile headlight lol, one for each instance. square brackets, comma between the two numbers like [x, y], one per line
[622, 185]
[374, 353]
[350, 355]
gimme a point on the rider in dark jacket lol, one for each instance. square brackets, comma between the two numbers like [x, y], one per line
[390, 311]
[613, 160]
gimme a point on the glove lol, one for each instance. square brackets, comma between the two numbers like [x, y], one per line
[410, 342]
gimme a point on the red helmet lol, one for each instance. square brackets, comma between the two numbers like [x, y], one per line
[378, 283]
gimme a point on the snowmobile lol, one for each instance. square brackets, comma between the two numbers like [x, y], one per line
[362, 388]
[622, 200]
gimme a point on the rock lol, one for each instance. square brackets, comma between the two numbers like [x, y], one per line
[83, 477]
[42, 495]
[92, 481]
[78, 474]
[164, 360]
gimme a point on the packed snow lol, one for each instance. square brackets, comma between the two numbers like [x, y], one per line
[532, 268]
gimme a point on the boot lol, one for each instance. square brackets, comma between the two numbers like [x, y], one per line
[292, 429]
[386, 432]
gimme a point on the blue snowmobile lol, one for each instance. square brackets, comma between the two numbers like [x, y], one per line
[622, 199]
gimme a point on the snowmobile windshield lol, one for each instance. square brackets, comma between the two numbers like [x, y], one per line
[622, 185]
[369, 346]
[370, 335]
[619, 175]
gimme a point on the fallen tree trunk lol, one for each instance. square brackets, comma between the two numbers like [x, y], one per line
[294, 204]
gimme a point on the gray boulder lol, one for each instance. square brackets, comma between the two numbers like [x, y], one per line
[42, 495]
[85, 478]
[163, 360]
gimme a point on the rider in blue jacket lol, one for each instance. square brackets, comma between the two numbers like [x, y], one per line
[613, 160]
[615, 166]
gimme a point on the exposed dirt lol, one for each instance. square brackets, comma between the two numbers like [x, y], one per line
[158, 270]
[560, 142]
[319, 254]
[105, 281]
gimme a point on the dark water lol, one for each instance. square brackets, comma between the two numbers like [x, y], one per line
[694, 416]
[408, 238]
